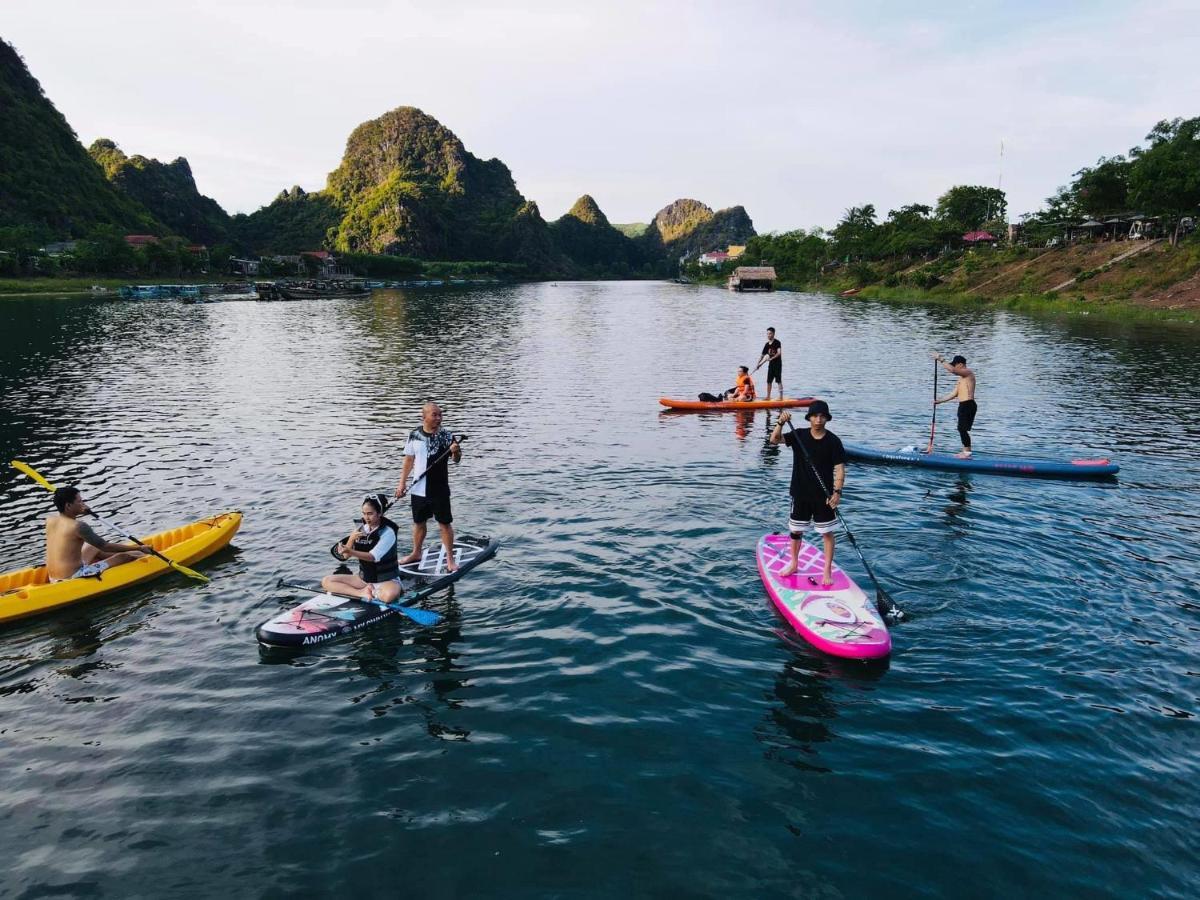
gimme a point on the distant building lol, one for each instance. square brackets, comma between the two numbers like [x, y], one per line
[713, 258]
[978, 237]
[243, 266]
[736, 250]
[752, 278]
[326, 259]
[60, 248]
[295, 260]
[140, 240]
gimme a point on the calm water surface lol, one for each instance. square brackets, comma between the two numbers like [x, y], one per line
[611, 707]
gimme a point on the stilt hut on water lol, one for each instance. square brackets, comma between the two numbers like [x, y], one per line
[752, 278]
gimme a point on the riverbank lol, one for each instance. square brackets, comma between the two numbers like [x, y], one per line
[1118, 281]
[1040, 304]
[28, 287]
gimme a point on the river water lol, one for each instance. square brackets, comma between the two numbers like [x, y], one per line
[612, 707]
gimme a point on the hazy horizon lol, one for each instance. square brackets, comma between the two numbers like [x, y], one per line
[794, 111]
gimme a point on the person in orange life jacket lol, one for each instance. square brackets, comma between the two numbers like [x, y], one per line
[813, 447]
[373, 544]
[743, 389]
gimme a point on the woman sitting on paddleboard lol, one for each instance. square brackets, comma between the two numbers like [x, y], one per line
[373, 544]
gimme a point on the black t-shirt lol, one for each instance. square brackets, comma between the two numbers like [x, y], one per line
[825, 454]
[770, 346]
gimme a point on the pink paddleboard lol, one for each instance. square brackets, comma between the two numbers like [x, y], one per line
[840, 620]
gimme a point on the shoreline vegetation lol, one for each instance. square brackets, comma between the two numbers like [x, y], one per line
[1147, 281]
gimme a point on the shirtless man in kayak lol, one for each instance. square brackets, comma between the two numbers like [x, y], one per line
[964, 393]
[73, 549]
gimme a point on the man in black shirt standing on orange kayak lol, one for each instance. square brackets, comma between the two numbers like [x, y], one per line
[773, 351]
[815, 495]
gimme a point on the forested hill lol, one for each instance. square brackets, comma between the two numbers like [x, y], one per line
[167, 190]
[47, 180]
[689, 228]
[406, 186]
[585, 236]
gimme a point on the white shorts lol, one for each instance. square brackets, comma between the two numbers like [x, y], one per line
[87, 570]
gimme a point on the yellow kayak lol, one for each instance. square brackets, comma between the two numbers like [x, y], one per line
[27, 592]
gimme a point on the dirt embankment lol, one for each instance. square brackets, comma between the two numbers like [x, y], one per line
[1154, 274]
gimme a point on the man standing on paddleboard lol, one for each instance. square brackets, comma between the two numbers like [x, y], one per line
[773, 351]
[430, 447]
[964, 393]
[818, 474]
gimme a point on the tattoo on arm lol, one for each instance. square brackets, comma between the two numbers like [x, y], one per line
[88, 533]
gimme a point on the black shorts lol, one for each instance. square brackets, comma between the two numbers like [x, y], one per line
[438, 507]
[809, 512]
[966, 414]
[775, 371]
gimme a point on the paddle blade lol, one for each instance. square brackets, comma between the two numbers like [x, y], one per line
[184, 570]
[32, 473]
[420, 616]
[887, 606]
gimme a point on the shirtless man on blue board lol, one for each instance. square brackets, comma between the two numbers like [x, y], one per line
[964, 393]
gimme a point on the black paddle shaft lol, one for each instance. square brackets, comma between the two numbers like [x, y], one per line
[437, 459]
[887, 604]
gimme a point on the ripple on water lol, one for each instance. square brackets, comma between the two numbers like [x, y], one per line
[611, 704]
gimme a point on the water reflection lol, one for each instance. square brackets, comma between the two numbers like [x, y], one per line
[807, 689]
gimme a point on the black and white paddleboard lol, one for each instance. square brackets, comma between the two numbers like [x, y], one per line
[326, 616]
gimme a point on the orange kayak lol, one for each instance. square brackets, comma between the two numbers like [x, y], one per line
[735, 404]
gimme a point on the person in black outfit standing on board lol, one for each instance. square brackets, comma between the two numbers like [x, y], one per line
[964, 393]
[772, 350]
[813, 448]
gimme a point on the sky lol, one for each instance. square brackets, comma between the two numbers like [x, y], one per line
[795, 110]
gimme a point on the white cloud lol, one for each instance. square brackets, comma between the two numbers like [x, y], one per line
[793, 110]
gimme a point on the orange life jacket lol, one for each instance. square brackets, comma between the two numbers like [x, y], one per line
[745, 387]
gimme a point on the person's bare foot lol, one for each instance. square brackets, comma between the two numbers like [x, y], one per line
[825, 584]
[963, 454]
[789, 569]
[451, 566]
[411, 558]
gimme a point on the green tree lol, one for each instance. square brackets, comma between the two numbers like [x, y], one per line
[966, 207]
[911, 231]
[1164, 178]
[104, 251]
[855, 236]
[1103, 189]
[796, 255]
